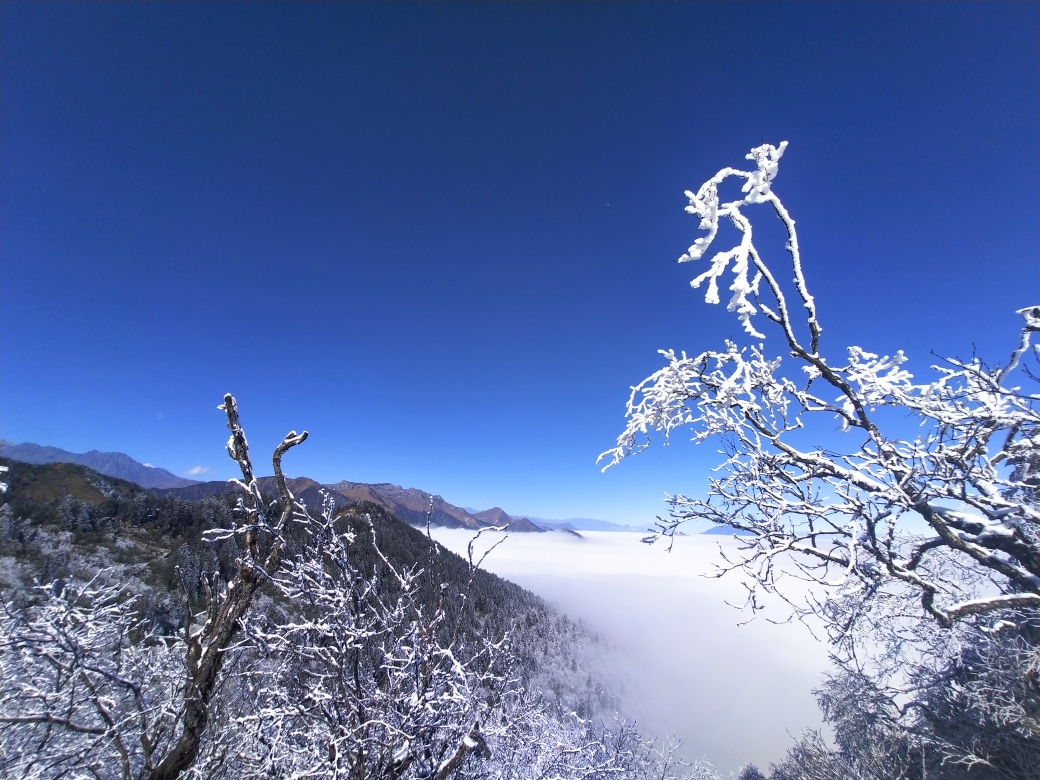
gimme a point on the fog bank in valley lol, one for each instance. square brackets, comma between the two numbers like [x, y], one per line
[680, 659]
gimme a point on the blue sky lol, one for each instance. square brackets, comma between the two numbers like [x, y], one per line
[441, 237]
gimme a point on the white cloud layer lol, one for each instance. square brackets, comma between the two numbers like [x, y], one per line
[734, 693]
[198, 471]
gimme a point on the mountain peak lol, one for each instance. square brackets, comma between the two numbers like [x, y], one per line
[498, 516]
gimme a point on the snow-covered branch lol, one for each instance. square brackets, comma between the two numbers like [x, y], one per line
[85, 683]
[849, 518]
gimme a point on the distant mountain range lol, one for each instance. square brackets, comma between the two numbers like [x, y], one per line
[409, 504]
[573, 523]
[111, 464]
[581, 524]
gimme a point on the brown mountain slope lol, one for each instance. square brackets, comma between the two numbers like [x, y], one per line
[409, 504]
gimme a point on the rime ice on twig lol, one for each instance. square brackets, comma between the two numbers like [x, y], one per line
[758, 188]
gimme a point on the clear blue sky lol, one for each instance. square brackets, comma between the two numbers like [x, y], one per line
[441, 237]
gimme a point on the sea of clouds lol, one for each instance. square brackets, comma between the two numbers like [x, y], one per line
[682, 660]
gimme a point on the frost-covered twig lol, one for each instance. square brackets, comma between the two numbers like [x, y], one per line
[208, 646]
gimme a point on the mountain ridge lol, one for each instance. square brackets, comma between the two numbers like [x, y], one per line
[581, 524]
[409, 504]
[112, 464]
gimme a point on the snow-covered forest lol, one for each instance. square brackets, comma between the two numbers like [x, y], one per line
[277, 641]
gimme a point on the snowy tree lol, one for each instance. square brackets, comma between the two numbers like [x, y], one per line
[89, 677]
[847, 517]
[363, 683]
[85, 686]
[750, 772]
[919, 550]
[973, 715]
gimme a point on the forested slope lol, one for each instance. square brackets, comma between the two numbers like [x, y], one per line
[63, 521]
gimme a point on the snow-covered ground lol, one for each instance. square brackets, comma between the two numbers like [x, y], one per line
[734, 693]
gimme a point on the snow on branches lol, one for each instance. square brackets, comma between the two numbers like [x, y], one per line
[362, 682]
[705, 204]
[85, 684]
[320, 657]
[846, 518]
